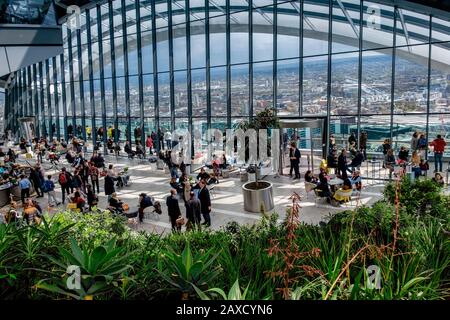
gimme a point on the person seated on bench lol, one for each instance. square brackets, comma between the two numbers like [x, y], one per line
[389, 160]
[424, 167]
[78, 200]
[438, 179]
[128, 150]
[115, 205]
[224, 164]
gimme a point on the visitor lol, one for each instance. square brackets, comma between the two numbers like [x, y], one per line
[403, 156]
[294, 156]
[332, 143]
[168, 139]
[149, 143]
[414, 141]
[332, 159]
[309, 177]
[205, 201]
[363, 144]
[49, 187]
[144, 202]
[193, 211]
[356, 162]
[342, 163]
[438, 145]
[128, 150]
[92, 198]
[94, 174]
[323, 188]
[356, 179]
[78, 200]
[109, 185]
[424, 167]
[389, 161]
[140, 153]
[438, 179]
[415, 164]
[115, 205]
[203, 175]
[176, 185]
[30, 214]
[352, 139]
[24, 185]
[422, 143]
[173, 209]
[37, 182]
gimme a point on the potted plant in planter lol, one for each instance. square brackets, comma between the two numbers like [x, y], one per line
[258, 194]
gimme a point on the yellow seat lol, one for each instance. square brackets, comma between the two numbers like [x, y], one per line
[343, 195]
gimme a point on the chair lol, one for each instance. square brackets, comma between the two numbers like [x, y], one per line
[318, 196]
[309, 186]
[343, 195]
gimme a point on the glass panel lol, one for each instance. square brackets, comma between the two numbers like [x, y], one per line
[149, 95]
[262, 86]
[162, 49]
[239, 90]
[263, 34]
[376, 82]
[217, 40]
[181, 104]
[147, 52]
[440, 77]
[164, 94]
[132, 55]
[288, 30]
[218, 91]
[199, 92]
[120, 86]
[109, 98]
[288, 90]
[345, 25]
[411, 79]
[378, 25]
[315, 85]
[315, 26]
[440, 30]
[412, 28]
[344, 83]
[239, 37]
[179, 47]
[134, 96]
[198, 45]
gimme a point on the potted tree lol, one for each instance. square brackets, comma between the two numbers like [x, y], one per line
[258, 194]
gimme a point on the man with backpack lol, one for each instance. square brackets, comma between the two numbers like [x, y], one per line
[64, 180]
[49, 188]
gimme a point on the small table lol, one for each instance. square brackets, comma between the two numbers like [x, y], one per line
[334, 183]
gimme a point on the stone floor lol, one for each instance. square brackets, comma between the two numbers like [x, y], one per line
[227, 199]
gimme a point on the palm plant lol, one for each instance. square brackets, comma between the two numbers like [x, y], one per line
[100, 269]
[235, 292]
[187, 270]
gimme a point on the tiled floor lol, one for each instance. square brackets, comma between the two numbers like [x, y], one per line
[227, 201]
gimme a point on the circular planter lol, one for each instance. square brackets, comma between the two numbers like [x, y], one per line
[255, 197]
